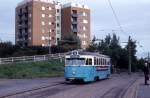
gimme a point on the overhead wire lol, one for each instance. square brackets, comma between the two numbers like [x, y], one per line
[116, 18]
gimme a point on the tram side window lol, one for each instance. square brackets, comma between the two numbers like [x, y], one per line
[94, 60]
[105, 62]
[97, 61]
[108, 63]
[88, 61]
[100, 61]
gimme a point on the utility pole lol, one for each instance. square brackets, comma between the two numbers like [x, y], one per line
[0, 40]
[148, 59]
[129, 50]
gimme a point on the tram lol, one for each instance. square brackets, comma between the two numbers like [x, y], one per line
[86, 66]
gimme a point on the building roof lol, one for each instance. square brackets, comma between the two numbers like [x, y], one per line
[75, 5]
[45, 1]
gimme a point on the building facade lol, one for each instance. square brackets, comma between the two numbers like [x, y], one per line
[45, 22]
[76, 20]
[38, 23]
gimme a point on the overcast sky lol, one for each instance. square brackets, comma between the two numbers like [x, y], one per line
[134, 17]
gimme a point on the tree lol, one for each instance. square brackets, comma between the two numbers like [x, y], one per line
[70, 42]
[93, 45]
[111, 46]
[133, 54]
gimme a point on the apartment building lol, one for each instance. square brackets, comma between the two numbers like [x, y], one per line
[76, 20]
[38, 23]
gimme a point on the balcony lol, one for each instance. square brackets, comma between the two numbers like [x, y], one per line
[20, 36]
[24, 33]
[74, 22]
[74, 30]
[24, 18]
[24, 26]
[74, 15]
[25, 10]
[19, 21]
[19, 13]
[19, 27]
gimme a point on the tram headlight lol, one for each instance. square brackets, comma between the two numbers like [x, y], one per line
[73, 72]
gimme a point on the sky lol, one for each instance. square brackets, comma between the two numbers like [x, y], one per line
[133, 15]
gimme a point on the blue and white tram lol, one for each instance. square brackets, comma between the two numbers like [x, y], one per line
[86, 66]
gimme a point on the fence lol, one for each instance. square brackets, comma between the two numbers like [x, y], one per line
[31, 58]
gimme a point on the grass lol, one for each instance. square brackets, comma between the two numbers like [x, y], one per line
[52, 68]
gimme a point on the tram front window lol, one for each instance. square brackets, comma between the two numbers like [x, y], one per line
[75, 61]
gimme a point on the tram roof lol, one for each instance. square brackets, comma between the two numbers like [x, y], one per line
[90, 53]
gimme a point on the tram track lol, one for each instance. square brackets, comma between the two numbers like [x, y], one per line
[34, 90]
[118, 92]
[118, 88]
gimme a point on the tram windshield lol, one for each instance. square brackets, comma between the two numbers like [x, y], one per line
[75, 61]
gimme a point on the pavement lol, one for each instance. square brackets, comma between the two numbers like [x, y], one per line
[143, 90]
[11, 86]
[110, 88]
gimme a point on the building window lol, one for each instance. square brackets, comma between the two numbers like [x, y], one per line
[84, 14]
[43, 8]
[30, 15]
[58, 31]
[58, 10]
[58, 25]
[53, 23]
[47, 38]
[43, 23]
[58, 18]
[29, 23]
[43, 38]
[50, 16]
[29, 30]
[84, 28]
[50, 30]
[43, 45]
[53, 30]
[29, 38]
[43, 31]
[83, 42]
[50, 23]
[84, 35]
[58, 39]
[85, 21]
[43, 15]
[49, 8]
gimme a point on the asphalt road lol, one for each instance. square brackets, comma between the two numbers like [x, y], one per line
[118, 86]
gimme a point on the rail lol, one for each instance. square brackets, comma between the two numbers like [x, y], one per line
[31, 58]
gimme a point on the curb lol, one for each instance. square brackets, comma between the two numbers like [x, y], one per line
[132, 91]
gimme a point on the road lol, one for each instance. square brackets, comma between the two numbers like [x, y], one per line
[118, 86]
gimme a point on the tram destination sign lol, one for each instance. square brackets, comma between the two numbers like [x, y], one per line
[74, 54]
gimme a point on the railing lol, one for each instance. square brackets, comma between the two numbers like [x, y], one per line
[31, 58]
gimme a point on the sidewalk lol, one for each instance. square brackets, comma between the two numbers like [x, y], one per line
[138, 89]
[143, 90]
